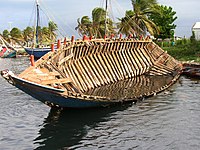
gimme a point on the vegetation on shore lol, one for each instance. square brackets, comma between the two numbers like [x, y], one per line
[184, 50]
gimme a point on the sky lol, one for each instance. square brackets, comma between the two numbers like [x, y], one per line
[19, 13]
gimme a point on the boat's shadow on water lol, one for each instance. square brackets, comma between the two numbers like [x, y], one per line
[65, 128]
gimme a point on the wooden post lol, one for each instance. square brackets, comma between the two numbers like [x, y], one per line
[120, 36]
[32, 60]
[84, 38]
[65, 41]
[58, 44]
[112, 35]
[52, 47]
[105, 37]
[141, 37]
[72, 39]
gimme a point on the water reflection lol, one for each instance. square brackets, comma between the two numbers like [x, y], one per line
[137, 87]
[65, 128]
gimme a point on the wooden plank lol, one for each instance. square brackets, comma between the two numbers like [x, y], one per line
[52, 81]
[65, 59]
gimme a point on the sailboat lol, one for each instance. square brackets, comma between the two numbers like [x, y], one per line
[6, 50]
[37, 50]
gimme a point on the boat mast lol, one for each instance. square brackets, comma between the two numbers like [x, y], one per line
[37, 21]
[106, 9]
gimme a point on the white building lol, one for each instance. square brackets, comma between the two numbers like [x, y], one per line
[196, 30]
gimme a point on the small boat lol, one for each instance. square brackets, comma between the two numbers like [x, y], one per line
[6, 50]
[191, 70]
[37, 50]
[98, 73]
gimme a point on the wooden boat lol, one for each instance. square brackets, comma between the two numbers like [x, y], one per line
[37, 52]
[98, 72]
[191, 70]
[6, 50]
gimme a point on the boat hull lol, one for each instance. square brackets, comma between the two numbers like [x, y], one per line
[53, 97]
[8, 54]
[37, 52]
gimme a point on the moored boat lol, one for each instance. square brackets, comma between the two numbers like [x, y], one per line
[6, 50]
[37, 50]
[191, 70]
[98, 72]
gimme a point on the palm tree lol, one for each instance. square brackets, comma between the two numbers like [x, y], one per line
[6, 35]
[143, 8]
[52, 29]
[16, 35]
[137, 21]
[96, 27]
[126, 24]
[84, 26]
[28, 34]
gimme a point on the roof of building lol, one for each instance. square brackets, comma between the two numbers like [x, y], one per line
[196, 25]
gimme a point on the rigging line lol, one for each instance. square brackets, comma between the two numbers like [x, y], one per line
[50, 15]
[32, 15]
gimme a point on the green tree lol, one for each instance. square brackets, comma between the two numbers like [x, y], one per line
[192, 38]
[126, 24]
[6, 35]
[46, 36]
[16, 35]
[52, 27]
[142, 9]
[165, 21]
[98, 27]
[28, 34]
[137, 21]
[84, 26]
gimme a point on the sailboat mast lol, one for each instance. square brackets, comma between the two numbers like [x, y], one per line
[37, 21]
[106, 9]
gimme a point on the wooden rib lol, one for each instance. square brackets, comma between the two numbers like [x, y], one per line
[103, 65]
[117, 65]
[85, 75]
[102, 69]
[115, 71]
[88, 72]
[117, 54]
[108, 65]
[73, 77]
[98, 69]
[95, 70]
[79, 77]
[92, 73]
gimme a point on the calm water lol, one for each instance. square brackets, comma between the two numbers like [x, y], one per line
[170, 120]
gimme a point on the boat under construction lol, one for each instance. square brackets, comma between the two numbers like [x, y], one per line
[98, 72]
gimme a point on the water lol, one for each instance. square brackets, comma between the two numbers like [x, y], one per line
[169, 120]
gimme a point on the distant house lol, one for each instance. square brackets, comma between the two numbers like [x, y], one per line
[196, 30]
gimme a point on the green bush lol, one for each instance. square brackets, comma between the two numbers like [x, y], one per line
[184, 50]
